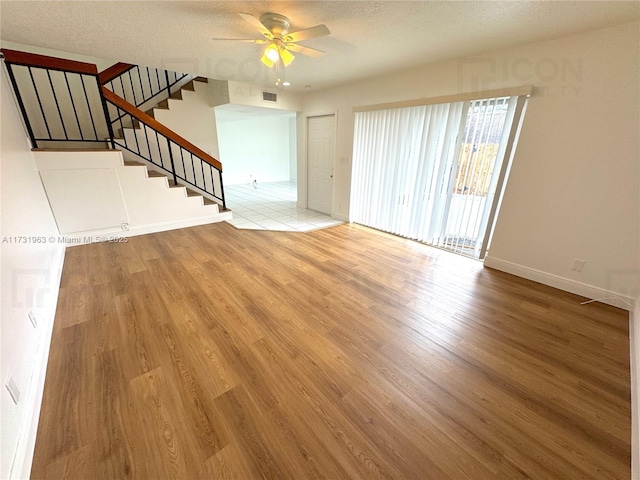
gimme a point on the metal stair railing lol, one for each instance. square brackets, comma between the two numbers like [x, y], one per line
[150, 140]
[65, 101]
[59, 99]
[139, 85]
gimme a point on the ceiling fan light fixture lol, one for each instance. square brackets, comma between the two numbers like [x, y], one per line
[286, 56]
[280, 43]
[266, 61]
[271, 52]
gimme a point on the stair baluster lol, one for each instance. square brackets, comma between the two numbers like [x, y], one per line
[58, 104]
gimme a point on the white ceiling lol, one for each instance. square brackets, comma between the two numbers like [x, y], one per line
[367, 38]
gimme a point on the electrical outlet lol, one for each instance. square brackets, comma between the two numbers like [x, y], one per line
[13, 390]
[32, 317]
[578, 265]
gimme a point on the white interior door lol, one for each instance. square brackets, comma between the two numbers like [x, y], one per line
[321, 141]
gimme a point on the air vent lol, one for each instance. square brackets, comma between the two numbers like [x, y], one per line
[269, 97]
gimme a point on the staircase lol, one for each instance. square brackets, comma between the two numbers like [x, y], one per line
[159, 112]
[70, 108]
[189, 87]
[96, 194]
[170, 183]
[190, 99]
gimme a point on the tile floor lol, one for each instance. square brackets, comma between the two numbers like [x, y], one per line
[272, 206]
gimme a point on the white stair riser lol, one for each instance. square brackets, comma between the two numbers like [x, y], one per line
[159, 151]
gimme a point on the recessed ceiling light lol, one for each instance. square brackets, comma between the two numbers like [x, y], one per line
[286, 84]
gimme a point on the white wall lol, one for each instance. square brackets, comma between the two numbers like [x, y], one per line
[30, 275]
[218, 91]
[573, 190]
[293, 150]
[256, 147]
[101, 63]
[93, 195]
[193, 119]
[251, 95]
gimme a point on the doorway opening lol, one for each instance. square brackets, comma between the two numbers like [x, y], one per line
[258, 148]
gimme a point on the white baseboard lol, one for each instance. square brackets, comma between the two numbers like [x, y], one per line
[600, 294]
[339, 216]
[634, 338]
[83, 238]
[23, 459]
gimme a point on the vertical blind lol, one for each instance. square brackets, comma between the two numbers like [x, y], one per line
[482, 146]
[420, 171]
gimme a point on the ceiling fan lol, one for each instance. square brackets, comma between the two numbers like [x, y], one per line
[280, 43]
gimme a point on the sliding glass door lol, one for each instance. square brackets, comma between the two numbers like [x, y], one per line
[431, 172]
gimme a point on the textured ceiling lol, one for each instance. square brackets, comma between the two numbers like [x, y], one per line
[367, 38]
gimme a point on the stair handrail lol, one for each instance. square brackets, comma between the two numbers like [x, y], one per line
[47, 63]
[73, 67]
[122, 75]
[53, 63]
[114, 71]
[141, 116]
[172, 136]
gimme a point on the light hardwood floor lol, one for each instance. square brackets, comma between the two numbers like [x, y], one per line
[343, 353]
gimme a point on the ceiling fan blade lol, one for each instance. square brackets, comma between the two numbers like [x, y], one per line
[248, 40]
[317, 31]
[257, 24]
[312, 52]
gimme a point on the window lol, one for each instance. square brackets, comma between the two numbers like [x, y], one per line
[434, 172]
